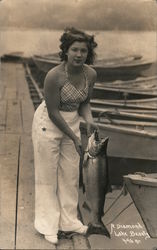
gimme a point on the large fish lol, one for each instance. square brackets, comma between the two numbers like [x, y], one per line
[96, 182]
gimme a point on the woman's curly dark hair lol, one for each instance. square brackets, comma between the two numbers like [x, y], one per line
[72, 35]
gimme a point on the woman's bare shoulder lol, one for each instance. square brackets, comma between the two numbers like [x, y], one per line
[92, 75]
[55, 76]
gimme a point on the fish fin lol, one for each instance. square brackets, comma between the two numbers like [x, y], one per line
[85, 159]
[97, 229]
[81, 171]
[82, 165]
[83, 188]
[86, 206]
[105, 143]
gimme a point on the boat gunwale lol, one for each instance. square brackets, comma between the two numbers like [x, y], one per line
[123, 105]
[121, 109]
[144, 63]
[122, 122]
[141, 180]
[123, 130]
[45, 60]
[147, 117]
[148, 93]
[125, 102]
[138, 80]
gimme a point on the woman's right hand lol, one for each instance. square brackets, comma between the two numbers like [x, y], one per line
[78, 146]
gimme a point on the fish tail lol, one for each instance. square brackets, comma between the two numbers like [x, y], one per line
[98, 228]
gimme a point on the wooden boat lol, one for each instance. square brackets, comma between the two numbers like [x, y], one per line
[50, 56]
[121, 59]
[129, 150]
[136, 110]
[106, 93]
[44, 64]
[106, 69]
[148, 90]
[143, 84]
[130, 107]
[143, 191]
[138, 121]
[140, 125]
[13, 56]
[127, 115]
[135, 137]
[151, 71]
[146, 102]
[124, 71]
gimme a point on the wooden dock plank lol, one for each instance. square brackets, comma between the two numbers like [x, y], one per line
[14, 117]
[80, 242]
[9, 167]
[27, 111]
[22, 85]
[2, 85]
[9, 75]
[26, 104]
[27, 237]
[9, 81]
[66, 244]
[10, 93]
[2, 89]
[3, 109]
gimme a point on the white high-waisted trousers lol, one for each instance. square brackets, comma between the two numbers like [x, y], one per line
[56, 173]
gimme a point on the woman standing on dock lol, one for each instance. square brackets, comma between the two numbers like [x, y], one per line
[56, 136]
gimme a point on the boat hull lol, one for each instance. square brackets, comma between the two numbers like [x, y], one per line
[137, 103]
[143, 191]
[120, 166]
[121, 94]
[124, 71]
[140, 83]
[121, 72]
[133, 143]
[44, 65]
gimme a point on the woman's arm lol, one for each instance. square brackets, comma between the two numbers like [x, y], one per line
[52, 99]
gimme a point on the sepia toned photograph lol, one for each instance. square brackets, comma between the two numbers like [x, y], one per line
[78, 124]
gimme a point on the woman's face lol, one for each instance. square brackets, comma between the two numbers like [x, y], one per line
[77, 53]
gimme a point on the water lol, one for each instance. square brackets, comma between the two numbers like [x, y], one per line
[110, 43]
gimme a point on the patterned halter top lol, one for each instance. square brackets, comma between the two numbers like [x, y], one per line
[70, 96]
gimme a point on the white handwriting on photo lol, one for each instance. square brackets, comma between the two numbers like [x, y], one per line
[129, 234]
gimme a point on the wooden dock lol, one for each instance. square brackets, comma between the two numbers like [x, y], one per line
[17, 182]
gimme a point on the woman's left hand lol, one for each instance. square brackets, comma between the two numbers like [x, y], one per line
[91, 126]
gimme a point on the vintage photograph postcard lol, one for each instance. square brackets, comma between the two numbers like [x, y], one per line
[78, 124]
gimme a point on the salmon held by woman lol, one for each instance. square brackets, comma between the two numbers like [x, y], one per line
[96, 181]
